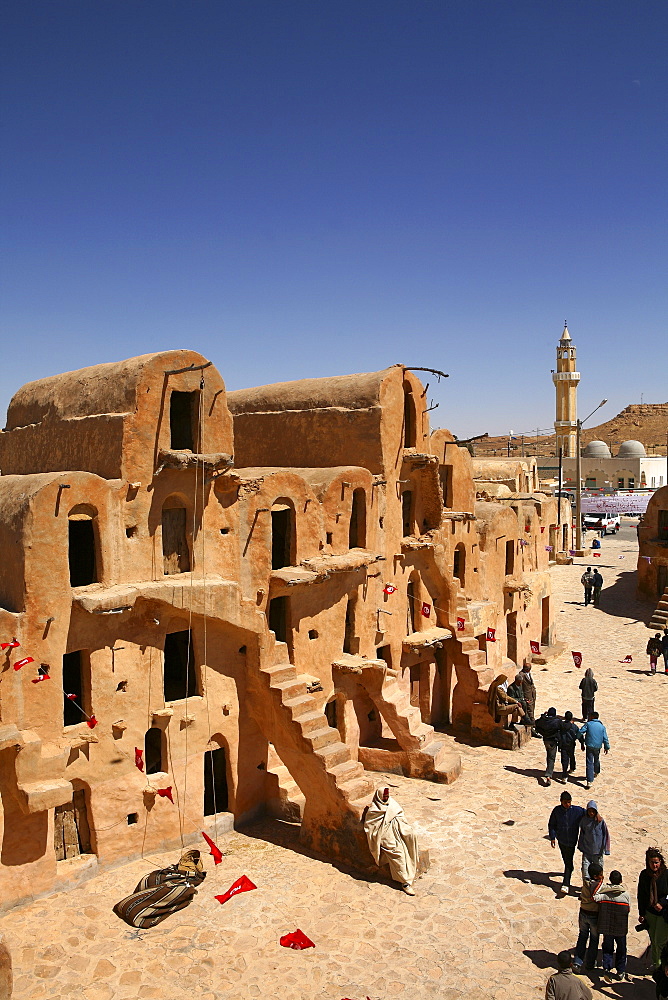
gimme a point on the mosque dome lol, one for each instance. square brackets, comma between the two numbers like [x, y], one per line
[597, 449]
[632, 449]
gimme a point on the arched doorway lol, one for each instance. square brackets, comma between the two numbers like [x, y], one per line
[216, 798]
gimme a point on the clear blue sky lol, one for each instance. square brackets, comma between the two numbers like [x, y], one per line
[310, 188]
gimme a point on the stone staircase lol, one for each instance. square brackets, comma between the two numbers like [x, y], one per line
[659, 619]
[285, 800]
[334, 784]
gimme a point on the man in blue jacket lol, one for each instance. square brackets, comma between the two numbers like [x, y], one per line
[563, 828]
[593, 736]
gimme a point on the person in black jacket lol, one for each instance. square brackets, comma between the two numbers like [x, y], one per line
[569, 735]
[653, 901]
[548, 726]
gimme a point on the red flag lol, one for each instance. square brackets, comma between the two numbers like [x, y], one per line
[491, 635]
[389, 588]
[92, 722]
[527, 527]
[296, 940]
[542, 529]
[70, 696]
[139, 759]
[461, 624]
[242, 884]
[535, 646]
[42, 677]
[166, 793]
[214, 852]
[23, 662]
[627, 659]
[426, 610]
[577, 658]
[9, 645]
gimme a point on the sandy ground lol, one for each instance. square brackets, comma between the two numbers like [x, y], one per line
[486, 922]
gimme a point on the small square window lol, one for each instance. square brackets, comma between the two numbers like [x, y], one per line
[133, 818]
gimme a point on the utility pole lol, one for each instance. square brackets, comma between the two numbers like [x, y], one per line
[578, 478]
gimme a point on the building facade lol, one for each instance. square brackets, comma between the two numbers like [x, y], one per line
[216, 605]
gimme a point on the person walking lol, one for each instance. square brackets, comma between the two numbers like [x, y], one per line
[586, 948]
[391, 839]
[664, 649]
[587, 581]
[529, 689]
[598, 585]
[568, 737]
[614, 905]
[653, 901]
[654, 651]
[588, 687]
[563, 828]
[548, 726]
[594, 838]
[564, 985]
[594, 735]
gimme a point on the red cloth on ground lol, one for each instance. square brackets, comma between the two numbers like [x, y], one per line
[296, 940]
[627, 659]
[214, 852]
[242, 884]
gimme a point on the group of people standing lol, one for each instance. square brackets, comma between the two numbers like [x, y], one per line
[658, 647]
[592, 581]
[563, 734]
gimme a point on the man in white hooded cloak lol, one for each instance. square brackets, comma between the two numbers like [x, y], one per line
[391, 839]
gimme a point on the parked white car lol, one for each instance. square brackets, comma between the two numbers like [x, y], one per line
[609, 524]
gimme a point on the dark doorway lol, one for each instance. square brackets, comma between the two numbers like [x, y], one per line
[445, 475]
[281, 536]
[331, 712]
[349, 638]
[175, 551]
[510, 558]
[278, 618]
[459, 564]
[409, 418]
[71, 831]
[357, 531]
[511, 629]
[545, 622]
[407, 512]
[411, 601]
[663, 526]
[180, 678]
[183, 408]
[153, 750]
[385, 653]
[73, 684]
[83, 569]
[215, 782]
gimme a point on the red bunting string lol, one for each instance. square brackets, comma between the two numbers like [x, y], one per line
[70, 696]
[10, 645]
[139, 759]
[214, 852]
[389, 588]
[491, 635]
[23, 662]
[242, 884]
[461, 624]
[92, 722]
[535, 646]
[577, 658]
[297, 940]
[42, 677]
[166, 793]
[425, 610]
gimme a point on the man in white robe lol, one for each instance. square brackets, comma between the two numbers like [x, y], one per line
[391, 839]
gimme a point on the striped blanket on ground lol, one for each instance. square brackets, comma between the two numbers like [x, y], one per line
[158, 895]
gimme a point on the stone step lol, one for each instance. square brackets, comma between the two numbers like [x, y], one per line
[290, 688]
[279, 672]
[300, 704]
[358, 790]
[281, 652]
[333, 754]
[310, 722]
[346, 771]
[323, 737]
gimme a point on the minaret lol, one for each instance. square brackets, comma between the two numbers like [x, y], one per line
[566, 380]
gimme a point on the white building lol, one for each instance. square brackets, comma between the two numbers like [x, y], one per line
[630, 469]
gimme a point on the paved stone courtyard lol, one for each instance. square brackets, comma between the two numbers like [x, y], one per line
[486, 921]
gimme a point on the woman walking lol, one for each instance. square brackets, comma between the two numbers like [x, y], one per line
[653, 901]
[589, 687]
[654, 651]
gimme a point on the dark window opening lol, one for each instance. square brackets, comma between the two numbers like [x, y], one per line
[459, 564]
[445, 475]
[510, 557]
[407, 512]
[153, 750]
[71, 830]
[73, 684]
[133, 818]
[131, 531]
[83, 568]
[313, 633]
[329, 537]
[545, 622]
[278, 618]
[175, 551]
[415, 685]
[409, 419]
[180, 680]
[349, 632]
[511, 634]
[372, 715]
[331, 711]
[215, 782]
[357, 531]
[385, 653]
[183, 420]
[411, 599]
[281, 537]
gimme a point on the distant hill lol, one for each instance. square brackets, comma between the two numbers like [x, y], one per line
[645, 422]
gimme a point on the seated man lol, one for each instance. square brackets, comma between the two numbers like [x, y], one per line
[501, 706]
